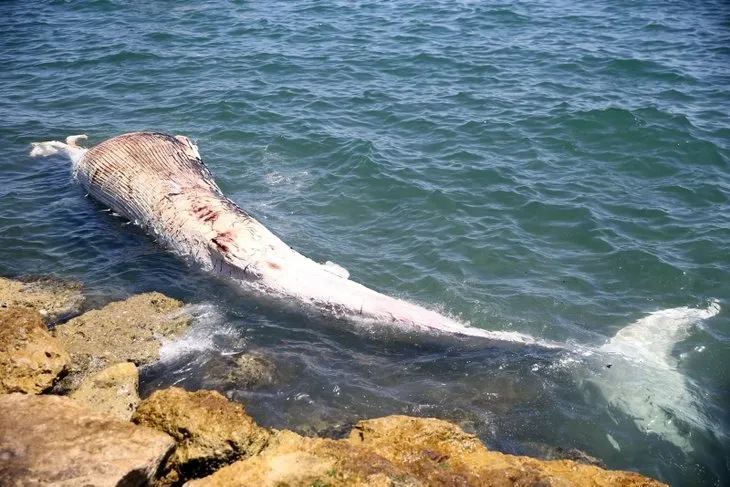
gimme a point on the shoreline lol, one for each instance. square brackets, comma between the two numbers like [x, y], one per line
[73, 414]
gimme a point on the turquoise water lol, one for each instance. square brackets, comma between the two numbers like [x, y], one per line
[555, 169]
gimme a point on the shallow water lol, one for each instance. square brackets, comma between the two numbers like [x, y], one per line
[558, 170]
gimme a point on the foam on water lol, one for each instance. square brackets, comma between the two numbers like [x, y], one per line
[208, 322]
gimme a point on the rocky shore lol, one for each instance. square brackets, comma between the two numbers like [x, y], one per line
[71, 415]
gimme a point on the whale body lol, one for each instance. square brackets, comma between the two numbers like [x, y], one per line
[160, 183]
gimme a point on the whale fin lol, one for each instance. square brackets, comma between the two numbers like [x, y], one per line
[336, 269]
[71, 139]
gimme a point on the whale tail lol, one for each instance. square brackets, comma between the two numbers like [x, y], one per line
[52, 147]
[652, 338]
[642, 378]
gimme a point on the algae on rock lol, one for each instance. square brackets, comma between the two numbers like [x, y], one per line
[250, 370]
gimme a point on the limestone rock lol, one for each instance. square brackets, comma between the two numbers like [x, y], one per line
[440, 453]
[404, 451]
[113, 390]
[30, 358]
[52, 298]
[253, 369]
[51, 440]
[123, 331]
[250, 370]
[210, 430]
[295, 460]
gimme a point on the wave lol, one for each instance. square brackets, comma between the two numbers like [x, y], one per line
[208, 323]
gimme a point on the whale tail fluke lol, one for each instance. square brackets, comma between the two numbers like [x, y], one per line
[644, 380]
[654, 336]
[52, 147]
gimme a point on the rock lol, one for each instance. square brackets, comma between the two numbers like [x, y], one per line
[210, 430]
[324, 428]
[295, 460]
[30, 358]
[253, 369]
[123, 331]
[549, 452]
[113, 391]
[52, 298]
[403, 451]
[81, 367]
[51, 440]
[248, 371]
[440, 453]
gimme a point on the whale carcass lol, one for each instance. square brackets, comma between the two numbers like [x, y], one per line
[160, 183]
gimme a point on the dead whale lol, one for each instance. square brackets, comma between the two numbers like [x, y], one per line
[159, 182]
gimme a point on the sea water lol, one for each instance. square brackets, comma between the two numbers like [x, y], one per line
[554, 169]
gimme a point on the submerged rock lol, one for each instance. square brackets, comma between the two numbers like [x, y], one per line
[253, 369]
[113, 391]
[210, 431]
[247, 371]
[30, 358]
[51, 440]
[123, 331]
[52, 298]
[549, 452]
